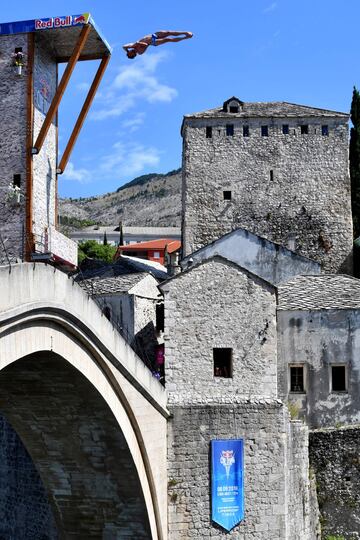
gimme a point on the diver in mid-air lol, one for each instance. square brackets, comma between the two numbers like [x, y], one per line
[156, 39]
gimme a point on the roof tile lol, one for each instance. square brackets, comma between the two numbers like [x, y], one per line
[279, 109]
[325, 291]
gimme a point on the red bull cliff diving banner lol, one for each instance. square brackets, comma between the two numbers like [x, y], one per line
[227, 482]
[64, 21]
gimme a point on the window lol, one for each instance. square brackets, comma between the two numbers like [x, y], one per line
[304, 130]
[17, 180]
[222, 362]
[208, 132]
[271, 176]
[285, 129]
[338, 379]
[264, 131]
[229, 130]
[156, 254]
[227, 195]
[246, 132]
[233, 109]
[297, 379]
[325, 131]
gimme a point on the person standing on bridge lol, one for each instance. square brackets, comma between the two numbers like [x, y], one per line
[156, 39]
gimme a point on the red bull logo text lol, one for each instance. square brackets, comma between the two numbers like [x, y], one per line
[59, 22]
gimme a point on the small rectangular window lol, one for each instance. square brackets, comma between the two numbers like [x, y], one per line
[229, 130]
[325, 131]
[338, 379]
[297, 379]
[222, 362]
[17, 180]
[304, 130]
[227, 195]
[285, 129]
[246, 132]
[156, 255]
[264, 131]
[233, 109]
[208, 132]
[271, 175]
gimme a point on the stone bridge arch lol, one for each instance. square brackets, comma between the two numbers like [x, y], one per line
[88, 411]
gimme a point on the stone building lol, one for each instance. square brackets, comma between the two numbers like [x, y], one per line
[129, 297]
[318, 337]
[266, 218]
[277, 169]
[221, 378]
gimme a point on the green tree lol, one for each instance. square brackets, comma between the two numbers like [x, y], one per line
[355, 160]
[92, 249]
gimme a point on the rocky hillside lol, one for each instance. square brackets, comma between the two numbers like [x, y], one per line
[149, 200]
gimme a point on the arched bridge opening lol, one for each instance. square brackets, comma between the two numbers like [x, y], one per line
[77, 447]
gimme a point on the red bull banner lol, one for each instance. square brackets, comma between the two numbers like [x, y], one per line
[63, 21]
[59, 22]
[227, 482]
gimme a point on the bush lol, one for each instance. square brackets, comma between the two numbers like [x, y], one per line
[92, 249]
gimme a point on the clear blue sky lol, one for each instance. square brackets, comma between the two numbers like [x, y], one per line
[302, 51]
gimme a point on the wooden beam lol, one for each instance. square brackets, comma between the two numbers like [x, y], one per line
[83, 113]
[28, 232]
[61, 88]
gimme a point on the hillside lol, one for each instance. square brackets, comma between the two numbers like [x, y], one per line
[148, 200]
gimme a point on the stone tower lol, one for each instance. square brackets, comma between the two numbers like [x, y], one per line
[277, 169]
[30, 94]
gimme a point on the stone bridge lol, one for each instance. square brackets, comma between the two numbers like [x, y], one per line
[88, 411]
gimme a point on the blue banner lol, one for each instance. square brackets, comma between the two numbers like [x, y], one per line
[227, 482]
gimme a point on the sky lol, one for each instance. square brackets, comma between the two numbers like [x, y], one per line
[300, 51]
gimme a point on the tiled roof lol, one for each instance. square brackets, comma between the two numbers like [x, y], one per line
[162, 243]
[97, 277]
[327, 291]
[111, 285]
[93, 268]
[279, 109]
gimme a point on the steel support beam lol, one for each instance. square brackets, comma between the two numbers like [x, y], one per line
[83, 113]
[54, 106]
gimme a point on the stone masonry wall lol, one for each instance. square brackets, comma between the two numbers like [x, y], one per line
[12, 146]
[217, 304]
[304, 203]
[44, 164]
[303, 512]
[268, 466]
[335, 460]
[25, 512]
